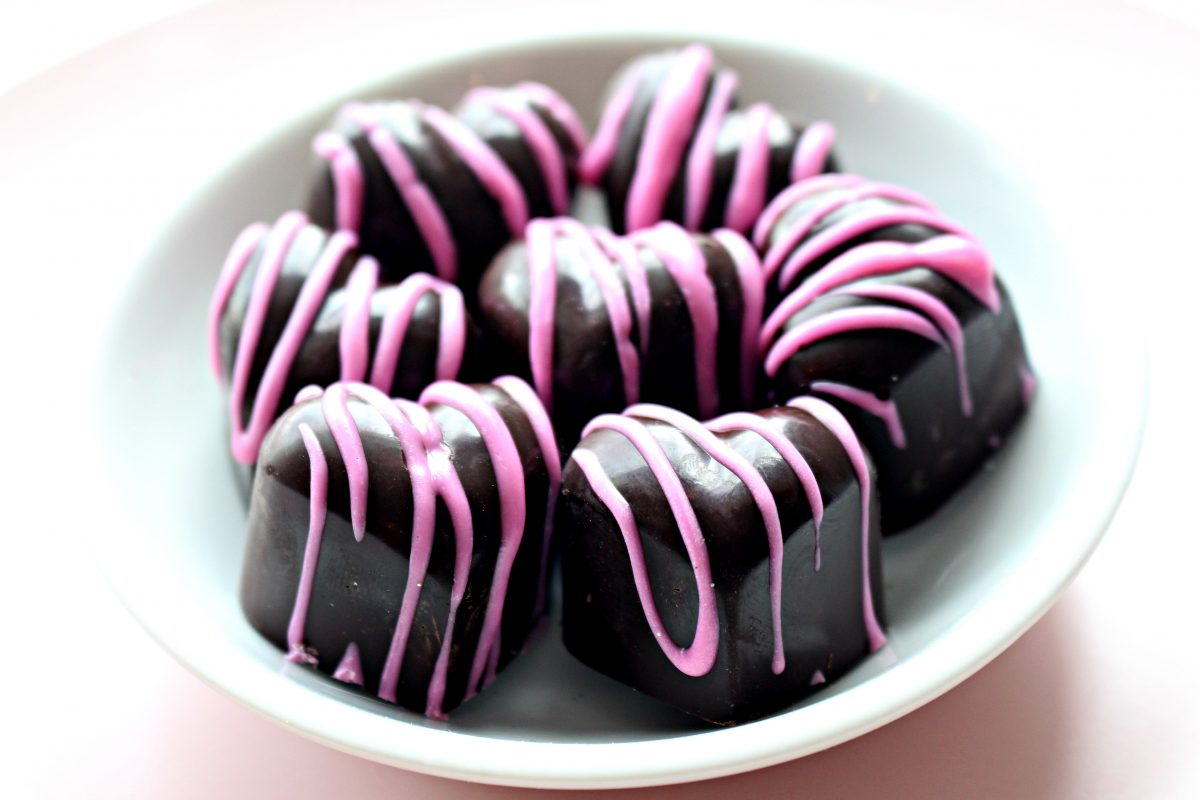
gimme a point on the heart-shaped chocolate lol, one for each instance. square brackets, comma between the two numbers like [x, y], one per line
[728, 568]
[400, 546]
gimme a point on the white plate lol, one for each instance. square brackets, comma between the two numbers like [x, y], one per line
[958, 590]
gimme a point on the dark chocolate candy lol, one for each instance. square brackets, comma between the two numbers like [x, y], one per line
[599, 322]
[894, 315]
[673, 145]
[296, 306]
[728, 568]
[401, 547]
[430, 191]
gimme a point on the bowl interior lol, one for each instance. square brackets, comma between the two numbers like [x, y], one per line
[176, 562]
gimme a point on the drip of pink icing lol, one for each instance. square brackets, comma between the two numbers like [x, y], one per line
[698, 657]
[621, 251]
[349, 669]
[783, 250]
[818, 678]
[832, 419]
[748, 192]
[742, 420]
[938, 312]
[750, 277]
[845, 320]
[961, 260]
[701, 157]
[727, 457]
[495, 176]
[524, 397]
[452, 328]
[615, 304]
[354, 338]
[427, 214]
[543, 292]
[812, 150]
[781, 202]
[855, 226]
[603, 147]
[239, 255]
[245, 440]
[668, 128]
[345, 434]
[685, 262]
[317, 492]
[558, 108]
[349, 185]
[447, 485]
[886, 410]
[537, 136]
[510, 484]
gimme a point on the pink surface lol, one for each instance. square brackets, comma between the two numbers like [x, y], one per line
[1097, 700]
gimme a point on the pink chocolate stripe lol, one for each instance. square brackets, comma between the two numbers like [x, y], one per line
[886, 410]
[727, 457]
[698, 657]
[812, 150]
[543, 294]
[793, 194]
[354, 338]
[847, 320]
[598, 155]
[317, 494]
[239, 255]
[704, 145]
[558, 108]
[832, 419]
[620, 250]
[750, 277]
[668, 128]
[748, 192]
[349, 669]
[349, 185]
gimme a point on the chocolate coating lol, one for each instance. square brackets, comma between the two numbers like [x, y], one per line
[358, 588]
[822, 598]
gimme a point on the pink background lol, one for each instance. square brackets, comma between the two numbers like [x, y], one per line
[1099, 699]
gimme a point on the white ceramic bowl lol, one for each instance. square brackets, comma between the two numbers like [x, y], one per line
[958, 589]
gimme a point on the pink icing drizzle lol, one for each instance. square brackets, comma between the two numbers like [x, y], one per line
[963, 261]
[495, 176]
[243, 248]
[750, 277]
[742, 420]
[537, 136]
[452, 329]
[741, 467]
[781, 202]
[245, 440]
[698, 657]
[603, 147]
[832, 419]
[349, 443]
[349, 185]
[845, 320]
[318, 490]
[748, 192]
[510, 484]
[938, 312]
[685, 262]
[558, 108]
[621, 251]
[886, 410]
[812, 150]
[543, 292]
[668, 128]
[818, 678]
[354, 337]
[698, 188]
[349, 669]
[525, 397]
